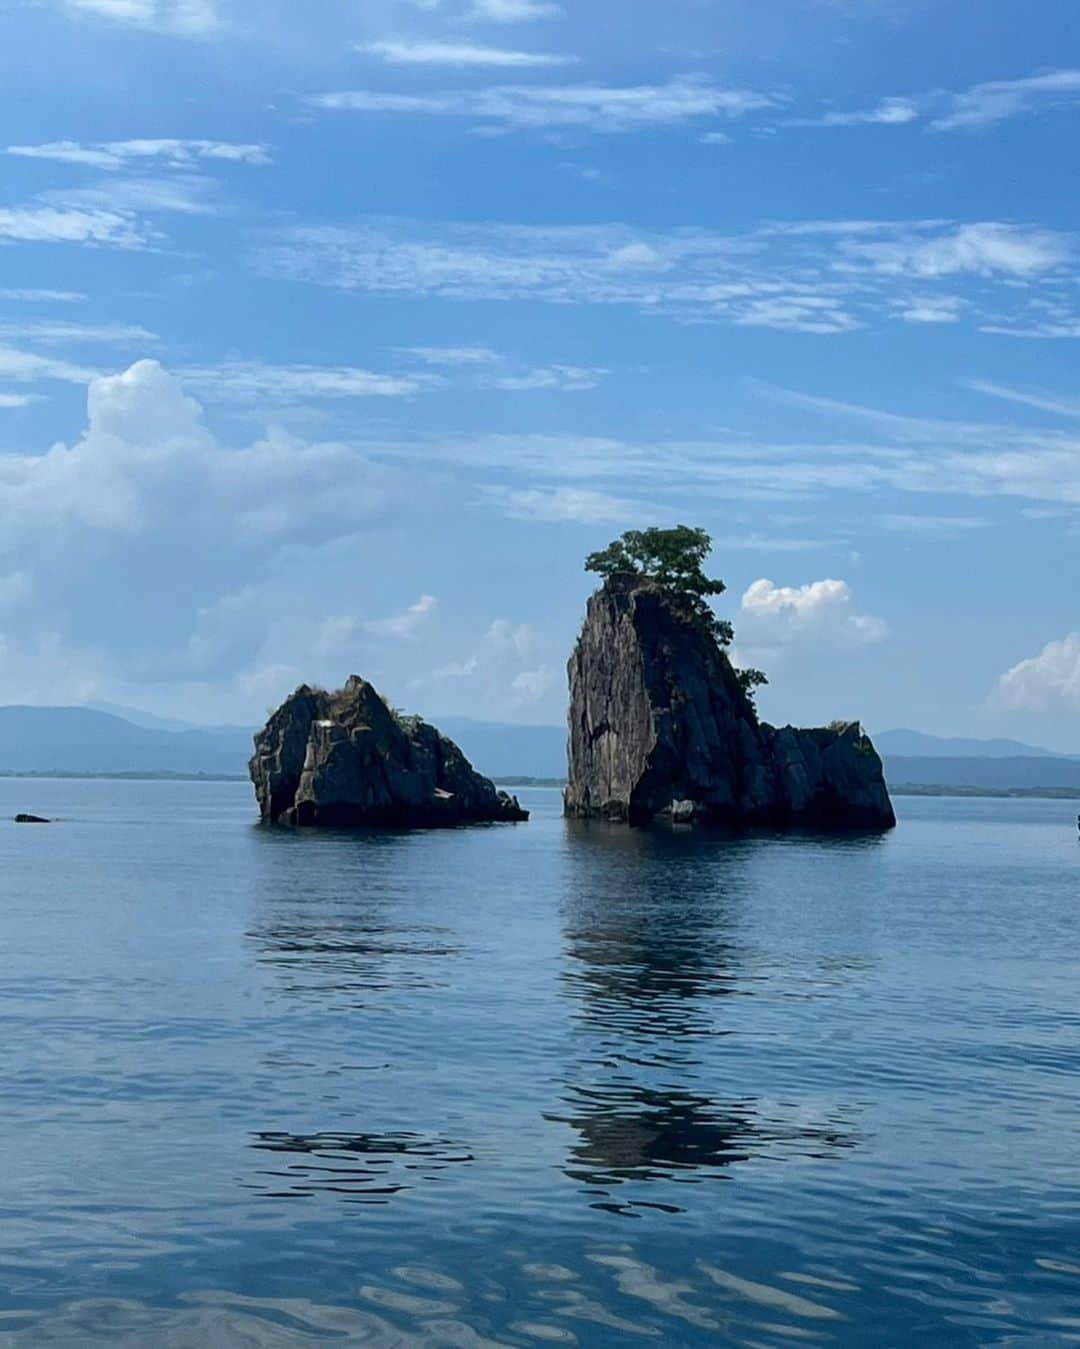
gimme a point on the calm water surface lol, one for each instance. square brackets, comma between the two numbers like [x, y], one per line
[544, 1084]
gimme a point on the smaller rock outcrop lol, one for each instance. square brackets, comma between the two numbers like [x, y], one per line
[31, 819]
[660, 725]
[346, 759]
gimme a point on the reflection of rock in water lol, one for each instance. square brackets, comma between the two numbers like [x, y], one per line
[356, 956]
[361, 1168]
[649, 932]
[640, 1134]
[654, 960]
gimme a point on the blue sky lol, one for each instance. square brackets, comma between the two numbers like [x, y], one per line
[333, 337]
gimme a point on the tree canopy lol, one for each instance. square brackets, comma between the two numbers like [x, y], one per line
[675, 559]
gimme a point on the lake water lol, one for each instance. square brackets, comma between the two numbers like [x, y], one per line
[543, 1084]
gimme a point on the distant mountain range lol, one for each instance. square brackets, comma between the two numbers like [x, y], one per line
[918, 744]
[100, 740]
[85, 740]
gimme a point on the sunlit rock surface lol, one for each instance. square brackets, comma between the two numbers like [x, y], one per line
[345, 759]
[660, 726]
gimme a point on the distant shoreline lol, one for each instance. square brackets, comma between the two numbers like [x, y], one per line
[135, 775]
[901, 789]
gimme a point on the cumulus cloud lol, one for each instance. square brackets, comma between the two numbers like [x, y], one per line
[504, 670]
[148, 546]
[818, 611]
[1048, 682]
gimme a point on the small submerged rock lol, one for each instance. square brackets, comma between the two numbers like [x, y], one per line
[31, 819]
[346, 759]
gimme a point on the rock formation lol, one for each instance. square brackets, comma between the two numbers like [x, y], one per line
[346, 759]
[660, 726]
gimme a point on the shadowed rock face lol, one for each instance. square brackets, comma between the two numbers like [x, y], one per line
[344, 759]
[659, 725]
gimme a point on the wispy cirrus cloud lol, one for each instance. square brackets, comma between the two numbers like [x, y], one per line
[889, 112]
[58, 333]
[41, 295]
[974, 109]
[607, 109]
[110, 155]
[406, 623]
[986, 248]
[984, 105]
[513, 11]
[254, 381]
[174, 18]
[27, 366]
[1042, 402]
[819, 277]
[70, 225]
[459, 54]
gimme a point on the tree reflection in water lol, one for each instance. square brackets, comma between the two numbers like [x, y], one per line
[653, 959]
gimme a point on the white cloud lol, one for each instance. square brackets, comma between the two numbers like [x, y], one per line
[513, 11]
[183, 194]
[27, 366]
[1048, 682]
[14, 400]
[890, 112]
[531, 685]
[462, 54]
[1061, 407]
[406, 623]
[503, 670]
[37, 295]
[932, 526]
[51, 332]
[63, 225]
[986, 248]
[177, 18]
[818, 611]
[253, 381]
[581, 505]
[453, 356]
[932, 309]
[149, 503]
[119, 154]
[986, 104]
[563, 378]
[817, 277]
[597, 108]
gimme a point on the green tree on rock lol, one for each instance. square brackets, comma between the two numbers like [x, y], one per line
[675, 559]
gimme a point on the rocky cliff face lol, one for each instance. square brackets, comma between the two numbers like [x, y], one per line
[345, 759]
[659, 725]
